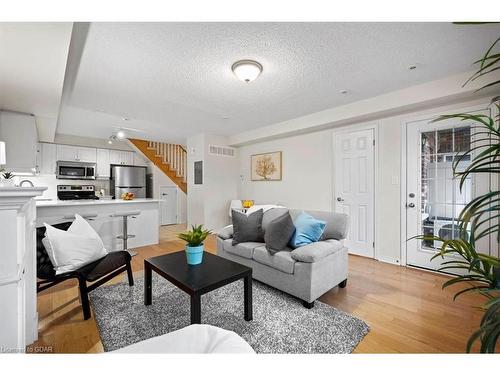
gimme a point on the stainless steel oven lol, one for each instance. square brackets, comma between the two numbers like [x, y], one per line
[70, 170]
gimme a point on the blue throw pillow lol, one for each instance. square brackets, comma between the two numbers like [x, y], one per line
[307, 230]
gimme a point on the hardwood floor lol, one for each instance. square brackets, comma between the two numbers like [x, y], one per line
[406, 309]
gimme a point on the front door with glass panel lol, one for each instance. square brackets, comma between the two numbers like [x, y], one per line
[433, 198]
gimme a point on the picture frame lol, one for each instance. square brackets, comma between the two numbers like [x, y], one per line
[266, 166]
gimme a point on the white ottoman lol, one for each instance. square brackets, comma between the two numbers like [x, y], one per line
[196, 338]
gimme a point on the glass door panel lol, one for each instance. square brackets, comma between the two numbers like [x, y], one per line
[441, 198]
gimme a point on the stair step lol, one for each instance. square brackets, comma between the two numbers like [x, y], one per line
[170, 158]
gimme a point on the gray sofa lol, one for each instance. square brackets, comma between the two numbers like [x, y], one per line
[306, 272]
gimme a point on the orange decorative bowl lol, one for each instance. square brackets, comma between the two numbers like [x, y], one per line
[247, 203]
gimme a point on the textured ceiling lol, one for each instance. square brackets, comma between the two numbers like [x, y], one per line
[173, 80]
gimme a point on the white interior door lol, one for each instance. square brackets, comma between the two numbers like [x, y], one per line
[168, 205]
[434, 200]
[354, 163]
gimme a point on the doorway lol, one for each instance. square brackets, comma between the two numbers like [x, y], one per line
[168, 205]
[434, 199]
[354, 186]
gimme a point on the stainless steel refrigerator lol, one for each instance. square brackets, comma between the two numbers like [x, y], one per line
[125, 179]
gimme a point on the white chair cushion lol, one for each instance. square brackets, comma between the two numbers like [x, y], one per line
[195, 339]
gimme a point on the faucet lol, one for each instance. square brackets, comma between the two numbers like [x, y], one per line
[28, 181]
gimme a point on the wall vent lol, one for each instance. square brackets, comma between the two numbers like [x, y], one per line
[221, 150]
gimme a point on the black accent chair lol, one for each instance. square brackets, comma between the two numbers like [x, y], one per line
[97, 272]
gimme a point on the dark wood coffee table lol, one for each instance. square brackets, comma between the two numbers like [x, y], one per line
[214, 272]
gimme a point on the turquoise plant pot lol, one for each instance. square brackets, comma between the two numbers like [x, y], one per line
[194, 254]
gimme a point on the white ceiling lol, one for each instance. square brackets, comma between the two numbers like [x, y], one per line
[173, 80]
[32, 65]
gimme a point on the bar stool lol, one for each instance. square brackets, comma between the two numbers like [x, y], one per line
[125, 236]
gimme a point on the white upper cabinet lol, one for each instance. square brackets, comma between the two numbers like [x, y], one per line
[128, 157]
[67, 153]
[139, 160]
[18, 131]
[48, 158]
[115, 157]
[50, 153]
[103, 163]
[121, 157]
[86, 154]
[76, 153]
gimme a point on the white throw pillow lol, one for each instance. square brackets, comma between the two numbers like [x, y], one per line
[69, 251]
[82, 227]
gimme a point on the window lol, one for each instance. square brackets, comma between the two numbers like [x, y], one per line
[441, 198]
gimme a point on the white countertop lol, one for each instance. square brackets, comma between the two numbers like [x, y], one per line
[91, 202]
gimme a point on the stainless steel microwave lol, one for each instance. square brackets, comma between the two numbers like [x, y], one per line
[70, 170]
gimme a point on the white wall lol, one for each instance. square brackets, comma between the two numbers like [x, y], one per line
[196, 193]
[307, 172]
[308, 175]
[220, 184]
[208, 203]
[161, 179]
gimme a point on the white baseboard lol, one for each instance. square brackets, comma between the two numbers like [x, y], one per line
[389, 260]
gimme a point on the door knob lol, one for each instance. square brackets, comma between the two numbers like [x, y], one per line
[410, 205]
[340, 199]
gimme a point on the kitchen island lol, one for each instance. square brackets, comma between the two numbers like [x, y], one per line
[144, 226]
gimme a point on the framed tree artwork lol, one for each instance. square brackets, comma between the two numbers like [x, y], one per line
[266, 167]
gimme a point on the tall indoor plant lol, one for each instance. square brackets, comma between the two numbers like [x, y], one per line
[480, 217]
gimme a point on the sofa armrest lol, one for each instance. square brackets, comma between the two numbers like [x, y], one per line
[225, 233]
[316, 251]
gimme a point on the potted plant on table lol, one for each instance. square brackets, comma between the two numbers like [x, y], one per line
[6, 179]
[194, 246]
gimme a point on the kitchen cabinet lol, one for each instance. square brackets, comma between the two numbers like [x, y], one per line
[66, 153]
[18, 131]
[103, 163]
[139, 160]
[86, 154]
[145, 226]
[47, 158]
[121, 157]
[76, 153]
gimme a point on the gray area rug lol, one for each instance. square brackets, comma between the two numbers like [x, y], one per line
[280, 323]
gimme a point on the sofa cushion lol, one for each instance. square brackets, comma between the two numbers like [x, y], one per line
[337, 224]
[247, 228]
[282, 260]
[244, 249]
[272, 214]
[278, 233]
[316, 251]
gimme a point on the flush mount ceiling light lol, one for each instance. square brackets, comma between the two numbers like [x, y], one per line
[120, 134]
[246, 70]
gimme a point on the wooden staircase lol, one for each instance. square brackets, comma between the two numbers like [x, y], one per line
[170, 158]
